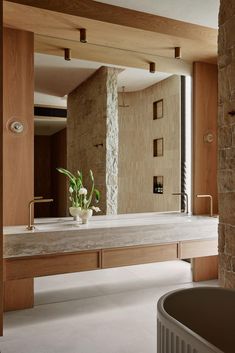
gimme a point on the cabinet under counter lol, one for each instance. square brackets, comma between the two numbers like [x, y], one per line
[108, 241]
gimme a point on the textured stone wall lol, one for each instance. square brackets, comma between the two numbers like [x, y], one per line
[112, 143]
[92, 136]
[226, 143]
[137, 166]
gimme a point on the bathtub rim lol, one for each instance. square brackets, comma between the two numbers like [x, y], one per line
[163, 314]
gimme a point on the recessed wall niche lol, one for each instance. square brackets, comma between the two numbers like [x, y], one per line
[158, 184]
[158, 147]
[158, 109]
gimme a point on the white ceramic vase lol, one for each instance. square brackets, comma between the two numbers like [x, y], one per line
[74, 211]
[85, 215]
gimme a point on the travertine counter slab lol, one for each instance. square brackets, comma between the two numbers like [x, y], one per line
[63, 235]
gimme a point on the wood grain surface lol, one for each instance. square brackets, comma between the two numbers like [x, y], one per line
[139, 34]
[198, 248]
[205, 268]
[18, 98]
[138, 255]
[122, 16]
[18, 294]
[45, 265]
[205, 121]
[1, 177]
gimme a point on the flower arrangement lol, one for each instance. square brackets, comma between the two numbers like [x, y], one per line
[79, 196]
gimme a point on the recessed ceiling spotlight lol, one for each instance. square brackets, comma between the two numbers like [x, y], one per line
[67, 54]
[177, 52]
[83, 35]
[152, 68]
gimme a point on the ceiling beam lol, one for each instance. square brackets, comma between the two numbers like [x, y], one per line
[125, 17]
[103, 38]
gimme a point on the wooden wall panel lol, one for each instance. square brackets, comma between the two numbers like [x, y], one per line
[1, 177]
[42, 175]
[59, 181]
[50, 153]
[18, 92]
[205, 121]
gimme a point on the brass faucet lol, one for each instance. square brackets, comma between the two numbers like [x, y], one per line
[38, 199]
[186, 198]
[211, 202]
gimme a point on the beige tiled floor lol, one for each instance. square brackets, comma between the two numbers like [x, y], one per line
[107, 311]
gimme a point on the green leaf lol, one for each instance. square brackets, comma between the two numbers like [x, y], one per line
[67, 173]
[97, 195]
[91, 175]
[72, 184]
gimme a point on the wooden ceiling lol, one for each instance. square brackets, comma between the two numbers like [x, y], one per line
[115, 35]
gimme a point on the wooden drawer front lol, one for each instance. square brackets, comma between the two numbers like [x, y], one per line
[198, 248]
[138, 255]
[30, 267]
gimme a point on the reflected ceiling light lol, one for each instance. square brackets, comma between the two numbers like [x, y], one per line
[152, 68]
[83, 35]
[177, 52]
[67, 54]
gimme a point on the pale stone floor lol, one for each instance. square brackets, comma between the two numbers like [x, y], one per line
[107, 311]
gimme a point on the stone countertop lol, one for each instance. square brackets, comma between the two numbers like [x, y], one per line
[58, 235]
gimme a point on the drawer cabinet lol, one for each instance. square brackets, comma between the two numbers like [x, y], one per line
[138, 255]
[37, 266]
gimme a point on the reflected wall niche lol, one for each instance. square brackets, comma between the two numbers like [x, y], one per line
[150, 148]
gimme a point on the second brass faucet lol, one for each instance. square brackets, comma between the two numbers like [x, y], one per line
[31, 203]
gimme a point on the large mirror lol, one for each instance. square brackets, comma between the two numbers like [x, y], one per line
[76, 103]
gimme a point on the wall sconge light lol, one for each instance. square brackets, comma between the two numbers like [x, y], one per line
[83, 35]
[67, 54]
[16, 127]
[152, 68]
[177, 52]
[208, 137]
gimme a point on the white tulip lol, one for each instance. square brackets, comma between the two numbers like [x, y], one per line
[70, 189]
[83, 191]
[96, 209]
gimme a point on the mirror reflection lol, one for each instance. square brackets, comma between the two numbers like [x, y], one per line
[128, 125]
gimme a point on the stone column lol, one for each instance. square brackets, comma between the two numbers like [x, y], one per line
[92, 134]
[226, 143]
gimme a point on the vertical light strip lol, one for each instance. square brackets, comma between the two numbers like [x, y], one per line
[188, 139]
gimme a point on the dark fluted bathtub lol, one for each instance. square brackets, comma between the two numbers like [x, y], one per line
[196, 320]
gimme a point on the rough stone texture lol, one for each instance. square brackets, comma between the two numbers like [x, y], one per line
[113, 231]
[112, 138]
[92, 136]
[226, 143]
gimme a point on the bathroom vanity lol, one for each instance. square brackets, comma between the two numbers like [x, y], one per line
[59, 246]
